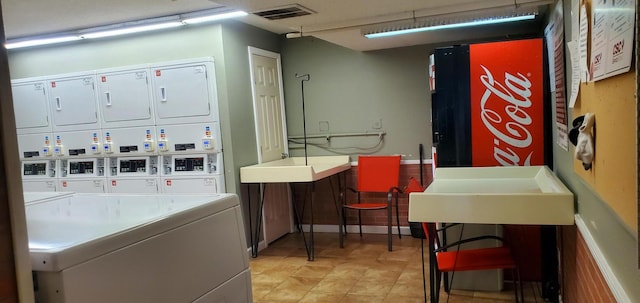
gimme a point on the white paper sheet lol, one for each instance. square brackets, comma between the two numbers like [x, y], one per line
[582, 44]
[574, 56]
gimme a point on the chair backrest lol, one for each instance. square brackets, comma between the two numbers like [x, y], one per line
[378, 173]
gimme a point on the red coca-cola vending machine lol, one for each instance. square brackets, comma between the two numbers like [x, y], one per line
[491, 107]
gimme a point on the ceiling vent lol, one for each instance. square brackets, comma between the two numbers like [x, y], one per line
[284, 12]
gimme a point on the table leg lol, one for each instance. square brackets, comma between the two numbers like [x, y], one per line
[311, 255]
[256, 238]
[299, 216]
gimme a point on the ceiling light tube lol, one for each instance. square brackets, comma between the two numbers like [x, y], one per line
[449, 26]
[131, 30]
[44, 41]
[215, 17]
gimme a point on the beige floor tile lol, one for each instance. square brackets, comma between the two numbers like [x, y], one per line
[347, 273]
[300, 283]
[394, 299]
[310, 271]
[272, 280]
[381, 276]
[371, 288]
[407, 290]
[285, 294]
[334, 252]
[411, 275]
[263, 263]
[354, 298]
[259, 291]
[334, 285]
[312, 297]
[363, 271]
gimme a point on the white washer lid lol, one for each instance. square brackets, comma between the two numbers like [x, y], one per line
[73, 229]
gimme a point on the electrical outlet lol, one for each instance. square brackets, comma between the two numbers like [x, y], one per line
[324, 126]
[377, 124]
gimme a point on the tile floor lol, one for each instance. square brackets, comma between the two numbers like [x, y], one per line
[363, 271]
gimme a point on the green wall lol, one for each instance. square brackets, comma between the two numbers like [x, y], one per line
[355, 92]
[237, 38]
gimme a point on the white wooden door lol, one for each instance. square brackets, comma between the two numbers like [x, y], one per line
[271, 137]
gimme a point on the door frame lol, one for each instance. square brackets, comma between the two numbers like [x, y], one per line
[261, 52]
[257, 51]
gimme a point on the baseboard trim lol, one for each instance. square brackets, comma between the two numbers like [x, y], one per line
[322, 228]
[261, 245]
[612, 281]
[367, 229]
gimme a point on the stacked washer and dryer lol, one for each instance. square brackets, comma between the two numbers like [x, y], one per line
[136, 129]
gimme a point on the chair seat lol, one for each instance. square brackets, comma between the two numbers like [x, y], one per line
[475, 259]
[366, 205]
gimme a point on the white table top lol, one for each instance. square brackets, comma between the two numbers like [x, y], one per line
[494, 195]
[294, 169]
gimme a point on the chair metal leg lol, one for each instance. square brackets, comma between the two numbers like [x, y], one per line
[344, 220]
[360, 221]
[520, 282]
[515, 284]
[398, 218]
[389, 236]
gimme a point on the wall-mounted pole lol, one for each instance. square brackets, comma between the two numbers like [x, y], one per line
[305, 77]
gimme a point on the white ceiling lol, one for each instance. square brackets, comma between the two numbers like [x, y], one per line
[337, 21]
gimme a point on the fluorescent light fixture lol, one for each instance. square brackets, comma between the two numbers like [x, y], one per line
[131, 30]
[215, 17]
[43, 41]
[448, 26]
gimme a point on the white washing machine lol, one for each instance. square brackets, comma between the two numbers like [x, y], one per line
[39, 168]
[82, 175]
[81, 165]
[133, 175]
[73, 102]
[35, 137]
[133, 164]
[139, 248]
[31, 106]
[39, 175]
[191, 158]
[124, 97]
[31, 197]
[185, 91]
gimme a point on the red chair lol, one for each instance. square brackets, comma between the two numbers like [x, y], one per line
[442, 260]
[381, 175]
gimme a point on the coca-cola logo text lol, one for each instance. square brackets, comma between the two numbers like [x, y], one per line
[512, 99]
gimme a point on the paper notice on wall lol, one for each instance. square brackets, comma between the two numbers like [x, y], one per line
[554, 35]
[611, 37]
[575, 72]
[582, 44]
